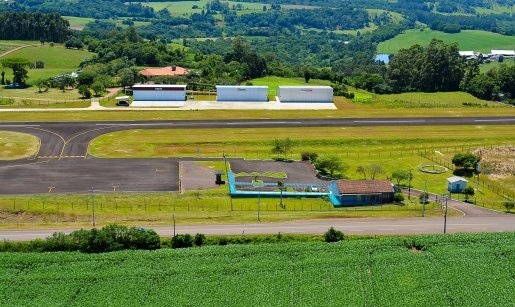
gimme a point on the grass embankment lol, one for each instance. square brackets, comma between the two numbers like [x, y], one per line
[438, 270]
[475, 40]
[15, 145]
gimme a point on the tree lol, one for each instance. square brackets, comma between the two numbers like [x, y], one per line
[84, 91]
[331, 164]
[468, 192]
[3, 77]
[307, 75]
[18, 66]
[465, 160]
[127, 77]
[400, 175]
[282, 147]
[41, 84]
[372, 170]
[424, 198]
[398, 197]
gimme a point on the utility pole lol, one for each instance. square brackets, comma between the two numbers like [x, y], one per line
[409, 185]
[93, 205]
[426, 197]
[259, 205]
[174, 224]
[445, 216]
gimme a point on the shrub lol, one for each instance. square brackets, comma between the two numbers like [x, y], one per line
[333, 235]
[182, 241]
[424, 198]
[309, 156]
[509, 205]
[200, 239]
[398, 197]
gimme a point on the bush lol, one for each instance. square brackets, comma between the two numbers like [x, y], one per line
[333, 235]
[509, 205]
[309, 156]
[398, 197]
[200, 239]
[424, 198]
[182, 241]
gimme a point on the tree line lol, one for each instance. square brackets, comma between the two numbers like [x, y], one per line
[33, 26]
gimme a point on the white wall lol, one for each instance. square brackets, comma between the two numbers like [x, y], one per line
[241, 93]
[305, 94]
[158, 92]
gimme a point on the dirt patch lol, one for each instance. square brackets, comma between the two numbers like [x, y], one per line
[497, 162]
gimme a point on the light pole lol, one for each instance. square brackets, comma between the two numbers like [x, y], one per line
[259, 205]
[93, 205]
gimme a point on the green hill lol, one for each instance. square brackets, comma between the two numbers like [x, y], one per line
[467, 40]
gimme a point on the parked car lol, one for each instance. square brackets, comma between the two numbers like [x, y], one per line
[122, 103]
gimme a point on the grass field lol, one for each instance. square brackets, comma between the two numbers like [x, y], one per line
[184, 8]
[462, 269]
[57, 59]
[14, 145]
[428, 100]
[467, 40]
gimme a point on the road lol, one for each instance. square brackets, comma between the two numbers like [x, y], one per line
[372, 226]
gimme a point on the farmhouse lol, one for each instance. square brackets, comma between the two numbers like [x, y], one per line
[456, 184]
[323, 94]
[241, 93]
[362, 192]
[158, 95]
[164, 71]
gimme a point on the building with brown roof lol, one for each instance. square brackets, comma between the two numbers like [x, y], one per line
[164, 71]
[363, 192]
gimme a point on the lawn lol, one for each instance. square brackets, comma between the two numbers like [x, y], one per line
[14, 145]
[475, 40]
[58, 60]
[430, 100]
[437, 270]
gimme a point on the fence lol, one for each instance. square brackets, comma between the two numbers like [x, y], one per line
[16, 102]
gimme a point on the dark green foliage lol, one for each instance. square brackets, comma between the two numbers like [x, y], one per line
[182, 241]
[465, 160]
[468, 192]
[398, 197]
[309, 156]
[333, 235]
[107, 239]
[509, 205]
[200, 239]
[33, 26]
[424, 198]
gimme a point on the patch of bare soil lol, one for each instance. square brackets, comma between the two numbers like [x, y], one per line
[21, 216]
[497, 162]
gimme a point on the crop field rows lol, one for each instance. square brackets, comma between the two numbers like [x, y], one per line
[462, 269]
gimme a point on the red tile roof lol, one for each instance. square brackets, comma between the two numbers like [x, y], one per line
[364, 186]
[164, 71]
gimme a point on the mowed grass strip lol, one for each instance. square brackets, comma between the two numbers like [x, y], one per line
[335, 140]
[15, 145]
[473, 269]
[475, 40]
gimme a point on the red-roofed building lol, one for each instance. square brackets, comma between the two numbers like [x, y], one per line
[164, 71]
[363, 192]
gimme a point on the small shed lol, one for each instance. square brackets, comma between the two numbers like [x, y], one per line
[363, 192]
[231, 93]
[456, 184]
[323, 94]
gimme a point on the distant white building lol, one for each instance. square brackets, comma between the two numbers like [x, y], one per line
[228, 93]
[320, 94]
[509, 53]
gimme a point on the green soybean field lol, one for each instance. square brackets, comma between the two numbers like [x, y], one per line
[435, 270]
